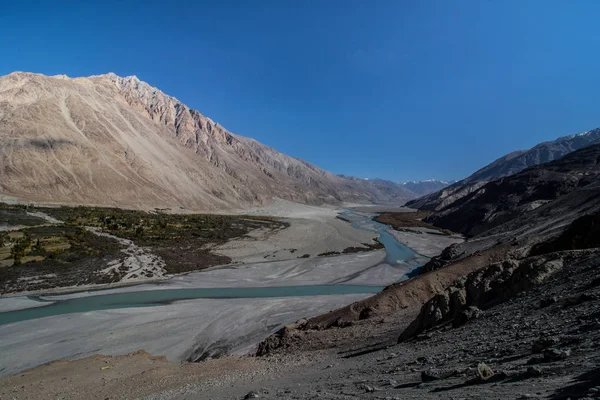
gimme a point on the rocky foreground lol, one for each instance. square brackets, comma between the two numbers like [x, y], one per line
[509, 320]
[507, 331]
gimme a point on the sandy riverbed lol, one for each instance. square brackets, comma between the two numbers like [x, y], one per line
[177, 331]
[313, 230]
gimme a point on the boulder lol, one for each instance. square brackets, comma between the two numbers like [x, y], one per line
[466, 315]
[552, 354]
[482, 289]
[484, 372]
[282, 338]
[543, 343]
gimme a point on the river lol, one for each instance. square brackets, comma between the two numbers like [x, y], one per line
[46, 306]
[215, 312]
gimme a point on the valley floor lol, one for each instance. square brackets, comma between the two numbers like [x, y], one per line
[363, 360]
[200, 328]
[192, 329]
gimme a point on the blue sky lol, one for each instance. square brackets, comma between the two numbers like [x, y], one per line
[394, 89]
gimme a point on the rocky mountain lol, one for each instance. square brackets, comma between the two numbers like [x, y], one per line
[392, 191]
[108, 140]
[422, 188]
[505, 166]
[409, 189]
[575, 178]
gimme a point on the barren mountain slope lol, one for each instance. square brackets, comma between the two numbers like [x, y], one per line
[108, 140]
[508, 198]
[509, 164]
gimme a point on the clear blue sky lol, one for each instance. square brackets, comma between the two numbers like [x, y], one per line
[393, 89]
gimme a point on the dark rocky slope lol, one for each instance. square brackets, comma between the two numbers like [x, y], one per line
[505, 199]
[513, 330]
[504, 166]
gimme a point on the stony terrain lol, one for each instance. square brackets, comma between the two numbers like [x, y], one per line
[113, 141]
[525, 325]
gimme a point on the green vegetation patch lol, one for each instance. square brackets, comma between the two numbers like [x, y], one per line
[46, 257]
[183, 241]
[54, 255]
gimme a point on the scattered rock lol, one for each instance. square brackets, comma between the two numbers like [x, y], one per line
[282, 338]
[543, 343]
[533, 372]
[484, 372]
[556, 354]
[434, 375]
[251, 395]
[422, 337]
[466, 315]
[369, 389]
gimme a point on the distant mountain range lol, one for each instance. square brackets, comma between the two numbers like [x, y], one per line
[411, 188]
[114, 141]
[504, 166]
[421, 188]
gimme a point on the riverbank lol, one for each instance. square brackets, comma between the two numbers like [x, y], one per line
[190, 328]
[281, 231]
[364, 360]
[407, 227]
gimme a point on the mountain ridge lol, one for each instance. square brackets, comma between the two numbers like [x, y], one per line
[541, 186]
[109, 140]
[506, 165]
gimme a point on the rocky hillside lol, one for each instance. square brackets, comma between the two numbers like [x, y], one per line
[511, 311]
[515, 221]
[504, 166]
[505, 199]
[108, 140]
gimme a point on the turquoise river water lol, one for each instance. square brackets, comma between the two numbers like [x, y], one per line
[396, 253]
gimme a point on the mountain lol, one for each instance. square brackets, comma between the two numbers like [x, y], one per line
[113, 141]
[409, 189]
[422, 188]
[567, 185]
[505, 166]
